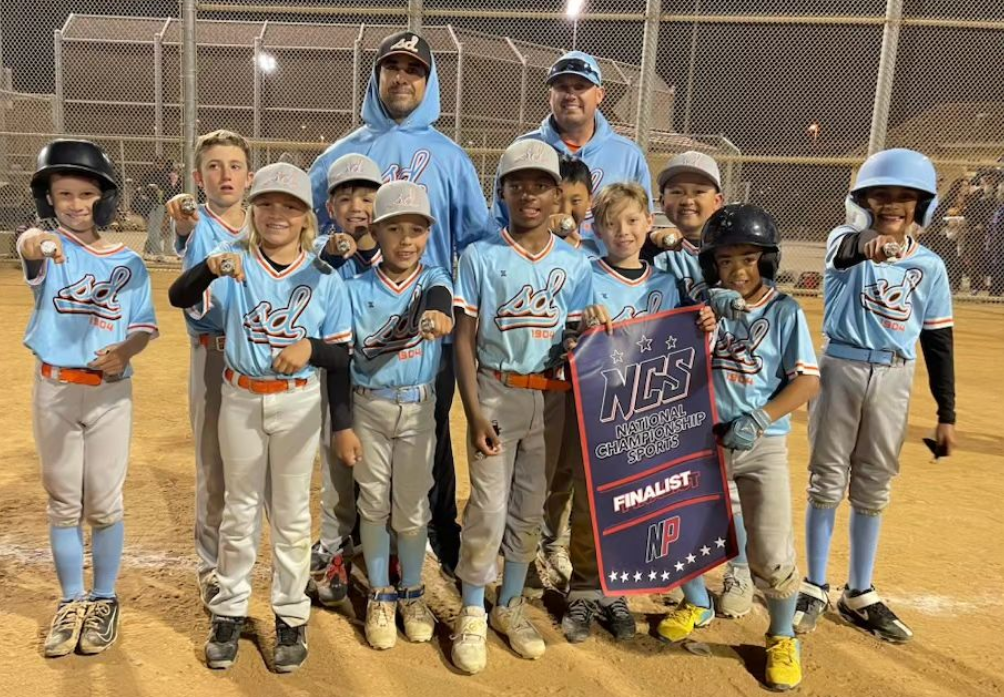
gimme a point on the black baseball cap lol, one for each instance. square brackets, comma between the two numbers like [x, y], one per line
[406, 43]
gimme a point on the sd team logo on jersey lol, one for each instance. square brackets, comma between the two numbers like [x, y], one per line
[399, 333]
[278, 328]
[892, 301]
[624, 298]
[653, 303]
[532, 307]
[88, 296]
[738, 352]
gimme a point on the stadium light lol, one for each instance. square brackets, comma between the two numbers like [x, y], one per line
[572, 11]
[267, 62]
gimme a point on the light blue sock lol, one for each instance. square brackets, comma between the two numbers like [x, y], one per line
[696, 592]
[740, 541]
[411, 552]
[106, 552]
[68, 554]
[513, 580]
[864, 547]
[782, 615]
[472, 595]
[376, 551]
[818, 533]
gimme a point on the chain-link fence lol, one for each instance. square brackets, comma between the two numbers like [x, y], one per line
[789, 104]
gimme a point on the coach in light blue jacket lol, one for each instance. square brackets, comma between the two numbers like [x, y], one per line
[401, 106]
[576, 128]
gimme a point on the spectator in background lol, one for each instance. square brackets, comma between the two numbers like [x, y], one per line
[979, 211]
[995, 240]
[946, 234]
[158, 187]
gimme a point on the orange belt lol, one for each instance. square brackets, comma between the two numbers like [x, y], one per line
[263, 386]
[534, 381]
[77, 376]
[212, 341]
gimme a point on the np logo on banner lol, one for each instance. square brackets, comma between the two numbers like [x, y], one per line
[657, 487]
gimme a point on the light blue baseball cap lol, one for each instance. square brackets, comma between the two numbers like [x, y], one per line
[576, 63]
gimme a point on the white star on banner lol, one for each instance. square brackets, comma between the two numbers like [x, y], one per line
[652, 575]
[691, 558]
[644, 344]
[617, 357]
[679, 566]
[637, 576]
[720, 543]
[671, 343]
[705, 550]
[665, 575]
[613, 576]
[624, 577]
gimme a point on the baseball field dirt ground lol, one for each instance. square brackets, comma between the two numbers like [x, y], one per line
[940, 568]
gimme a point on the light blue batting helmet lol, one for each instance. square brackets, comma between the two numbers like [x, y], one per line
[896, 167]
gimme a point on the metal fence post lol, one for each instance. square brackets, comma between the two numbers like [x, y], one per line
[522, 82]
[649, 48]
[357, 55]
[458, 104]
[189, 91]
[415, 16]
[158, 92]
[691, 60]
[886, 73]
[57, 102]
[256, 103]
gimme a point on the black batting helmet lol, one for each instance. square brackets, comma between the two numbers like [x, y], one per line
[76, 157]
[740, 223]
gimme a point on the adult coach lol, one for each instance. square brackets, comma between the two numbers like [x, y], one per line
[400, 108]
[577, 128]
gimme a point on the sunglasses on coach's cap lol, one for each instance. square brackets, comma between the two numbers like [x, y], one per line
[574, 66]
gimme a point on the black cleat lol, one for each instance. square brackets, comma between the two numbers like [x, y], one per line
[866, 611]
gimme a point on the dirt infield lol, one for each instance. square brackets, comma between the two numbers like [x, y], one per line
[940, 568]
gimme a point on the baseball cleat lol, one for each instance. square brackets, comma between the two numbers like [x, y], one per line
[736, 599]
[682, 622]
[470, 653]
[329, 574]
[866, 611]
[64, 632]
[419, 622]
[577, 623]
[619, 619]
[290, 646]
[511, 621]
[221, 647]
[812, 602]
[558, 566]
[784, 663]
[381, 608]
[101, 626]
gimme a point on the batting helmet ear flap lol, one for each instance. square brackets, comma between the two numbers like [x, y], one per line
[925, 211]
[709, 269]
[857, 216]
[104, 209]
[770, 262]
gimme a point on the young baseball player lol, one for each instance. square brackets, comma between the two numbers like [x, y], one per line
[624, 287]
[691, 187]
[575, 206]
[400, 311]
[763, 368]
[516, 293]
[353, 181]
[221, 171]
[93, 313]
[883, 291]
[284, 315]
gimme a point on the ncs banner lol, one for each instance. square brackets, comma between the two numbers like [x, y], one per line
[656, 483]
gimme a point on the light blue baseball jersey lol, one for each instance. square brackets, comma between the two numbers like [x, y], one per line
[885, 306]
[589, 246]
[522, 300]
[273, 309]
[755, 357]
[358, 263]
[97, 297]
[654, 291]
[388, 349]
[210, 232]
[686, 269]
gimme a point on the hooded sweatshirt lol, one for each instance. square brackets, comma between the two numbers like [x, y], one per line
[611, 158]
[415, 151]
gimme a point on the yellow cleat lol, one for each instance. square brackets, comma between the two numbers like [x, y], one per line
[784, 663]
[680, 623]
